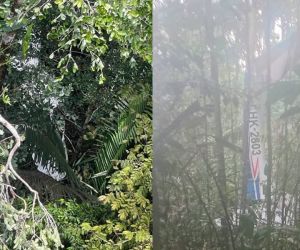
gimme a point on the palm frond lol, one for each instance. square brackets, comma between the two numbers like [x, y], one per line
[117, 140]
[48, 148]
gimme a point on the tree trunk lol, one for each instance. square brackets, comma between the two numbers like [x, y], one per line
[247, 86]
[268, 123]
[218, 131]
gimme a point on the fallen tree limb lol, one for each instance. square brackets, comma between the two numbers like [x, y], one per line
[7, 190]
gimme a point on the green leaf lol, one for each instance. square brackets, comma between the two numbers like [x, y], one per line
[59, 78]
[75, 67]
[61, 62]
[101, 65]
[101, 79]
[59, 2]
[26, 41]
[78, 3]
[128, 235]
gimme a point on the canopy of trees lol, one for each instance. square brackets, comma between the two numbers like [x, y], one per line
[75, 84]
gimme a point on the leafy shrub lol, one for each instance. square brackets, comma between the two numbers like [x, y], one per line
[129, 198]
[19, 231]
[69, 215]
[24, 225]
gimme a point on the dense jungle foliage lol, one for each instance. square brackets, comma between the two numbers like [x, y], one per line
[75, 84]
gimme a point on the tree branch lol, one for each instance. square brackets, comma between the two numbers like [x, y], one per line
[9, 167]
